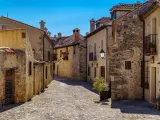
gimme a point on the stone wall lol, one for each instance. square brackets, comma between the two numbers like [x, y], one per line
[126, 84]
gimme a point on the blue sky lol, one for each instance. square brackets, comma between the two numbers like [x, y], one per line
[60, 15]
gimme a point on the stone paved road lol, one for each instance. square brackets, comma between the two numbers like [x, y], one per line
[69, 100]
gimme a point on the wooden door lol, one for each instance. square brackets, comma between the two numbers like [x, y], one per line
[9, 87]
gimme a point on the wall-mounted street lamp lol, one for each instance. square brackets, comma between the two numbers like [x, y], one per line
[102, 54]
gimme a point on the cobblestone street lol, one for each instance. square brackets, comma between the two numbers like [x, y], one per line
[73, 100]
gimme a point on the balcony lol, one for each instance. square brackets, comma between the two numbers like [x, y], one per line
[150, 44]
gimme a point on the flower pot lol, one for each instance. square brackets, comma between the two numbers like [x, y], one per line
[105, 95]
[152, 50]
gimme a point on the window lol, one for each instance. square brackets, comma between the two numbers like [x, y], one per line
[102, 44]
[103, 71]
[49, 56]
[30, 68]
[89, 71]
[95, 72]
[95, 56]
[60, 53]
[3, 27]
[23, 35]
[46, 72]
[128, 65]
[74, 49]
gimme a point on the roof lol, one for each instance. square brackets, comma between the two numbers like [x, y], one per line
[67, 41]
[11, 50]
[46, 35]
[103, 20]
[21, 23]
[151, 4]
[97, 30]
[125, 6]
[138, 10]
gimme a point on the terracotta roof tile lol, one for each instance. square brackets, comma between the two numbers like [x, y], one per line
[69, 41]
[125, 6]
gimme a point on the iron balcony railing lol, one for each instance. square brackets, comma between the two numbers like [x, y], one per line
[151, 44]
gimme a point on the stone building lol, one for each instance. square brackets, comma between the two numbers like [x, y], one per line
[97, 42]
[16, 67]
[151, 69]
[70, 56]
[126, 55]
[40, 42]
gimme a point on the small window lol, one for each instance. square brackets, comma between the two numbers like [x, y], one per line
[30, 68]
[46, 72]
[128, 65]
[23, 35]
[125, 26]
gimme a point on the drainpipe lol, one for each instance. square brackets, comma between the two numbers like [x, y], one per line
[143, 62]
[43, 64]
[86, 59]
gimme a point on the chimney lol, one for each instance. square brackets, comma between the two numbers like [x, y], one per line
[76, 34]
[59, 35]
[42, 25]
[92, 25]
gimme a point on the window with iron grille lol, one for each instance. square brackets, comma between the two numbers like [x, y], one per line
[30, 68]
[128, 65]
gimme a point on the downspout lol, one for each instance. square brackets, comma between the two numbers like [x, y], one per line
[143, 62]
[86, 60]
[107, 55]
[43, 64]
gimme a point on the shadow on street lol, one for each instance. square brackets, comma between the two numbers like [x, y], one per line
[8, 107]
[135, 107]
[84, 84]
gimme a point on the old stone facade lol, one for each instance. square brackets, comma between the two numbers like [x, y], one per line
[151, 72]
[126, 56]
[70, 56]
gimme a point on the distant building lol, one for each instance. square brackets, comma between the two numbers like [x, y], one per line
[70, 56]
[97, 42]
